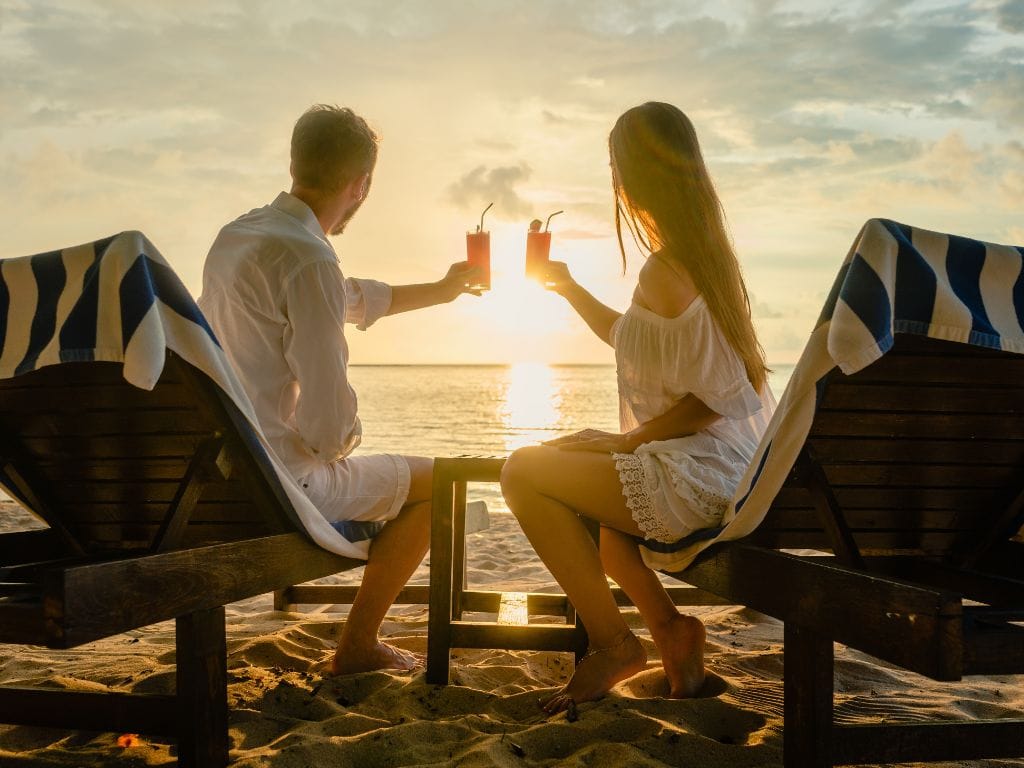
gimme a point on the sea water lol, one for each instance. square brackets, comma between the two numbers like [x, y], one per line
[486, 410]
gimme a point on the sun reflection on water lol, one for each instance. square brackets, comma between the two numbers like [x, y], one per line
[532, 405]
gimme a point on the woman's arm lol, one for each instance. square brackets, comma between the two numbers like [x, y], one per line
[688, 416]
[599, 317]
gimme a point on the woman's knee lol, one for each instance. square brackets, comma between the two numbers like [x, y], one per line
[519, 473]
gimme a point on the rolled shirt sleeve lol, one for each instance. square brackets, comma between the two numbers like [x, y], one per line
[366, 301]
[316, 301]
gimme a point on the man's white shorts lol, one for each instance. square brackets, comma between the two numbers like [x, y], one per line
[359, 488]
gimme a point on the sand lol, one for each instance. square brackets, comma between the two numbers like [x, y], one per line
[284, 714]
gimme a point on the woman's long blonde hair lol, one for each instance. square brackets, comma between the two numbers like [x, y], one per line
[663, 190]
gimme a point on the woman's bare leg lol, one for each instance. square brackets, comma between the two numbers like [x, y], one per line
[545, 488]
[679, 638]
[395, 554]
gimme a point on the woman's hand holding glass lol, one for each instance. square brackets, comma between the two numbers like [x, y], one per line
[557, 277]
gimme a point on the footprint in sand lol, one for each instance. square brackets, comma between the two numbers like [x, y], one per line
[652, 683]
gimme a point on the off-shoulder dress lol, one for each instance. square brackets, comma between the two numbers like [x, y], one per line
[674, 487]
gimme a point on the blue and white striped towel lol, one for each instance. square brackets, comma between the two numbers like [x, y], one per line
[118, 300]
[896, 279]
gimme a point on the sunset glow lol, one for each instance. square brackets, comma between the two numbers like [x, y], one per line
[531, 405]
[814, 116]
[521, 306]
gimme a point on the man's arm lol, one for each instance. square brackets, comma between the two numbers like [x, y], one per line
[405, 298]
[314, 346]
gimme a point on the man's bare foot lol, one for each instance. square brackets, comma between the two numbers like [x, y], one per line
[349, 661]
[598, 671]
[681, 643]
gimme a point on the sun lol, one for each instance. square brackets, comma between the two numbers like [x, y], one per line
[520, 306]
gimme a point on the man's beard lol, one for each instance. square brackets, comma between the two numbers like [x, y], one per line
[340, 226]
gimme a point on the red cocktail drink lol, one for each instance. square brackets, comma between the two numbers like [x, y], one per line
[538, 249]
[478, 253]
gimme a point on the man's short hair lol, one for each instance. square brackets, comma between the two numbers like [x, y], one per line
[331, 146]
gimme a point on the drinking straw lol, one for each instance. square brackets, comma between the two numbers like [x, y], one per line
[550, 218]
[481, 227]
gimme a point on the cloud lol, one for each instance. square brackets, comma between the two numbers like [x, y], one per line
[766, 311]
[1000, 97]
[777, 76]
[1011, 16]
[951, 161]
[498, 185]
[813, 116]
[1012, 185]
[583, 234]
[782, 342]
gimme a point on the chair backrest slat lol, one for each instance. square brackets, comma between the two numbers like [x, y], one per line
[109, 457]
[922, 449]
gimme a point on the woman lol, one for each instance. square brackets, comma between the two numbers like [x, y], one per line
[694, 403]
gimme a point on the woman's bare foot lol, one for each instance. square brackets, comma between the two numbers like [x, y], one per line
[598, 671]
[348, 661]
[681, 643]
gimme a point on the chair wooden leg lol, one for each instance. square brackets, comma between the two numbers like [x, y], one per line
[807, 691]
[202, 676]
[283, 600]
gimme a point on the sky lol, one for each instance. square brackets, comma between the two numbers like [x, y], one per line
[174, 118]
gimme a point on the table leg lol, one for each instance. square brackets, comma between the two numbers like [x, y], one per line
[439, 623]
[459, 547]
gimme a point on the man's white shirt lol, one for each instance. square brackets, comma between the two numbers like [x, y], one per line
[275, 295]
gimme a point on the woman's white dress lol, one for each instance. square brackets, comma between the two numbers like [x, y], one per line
[674, 487]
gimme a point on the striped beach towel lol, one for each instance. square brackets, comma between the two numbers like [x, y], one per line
[895, 279]
[118, 300]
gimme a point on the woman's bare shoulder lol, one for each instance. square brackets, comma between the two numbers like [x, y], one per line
[665, 289]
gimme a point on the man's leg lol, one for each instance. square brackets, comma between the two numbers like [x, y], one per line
[395, 554]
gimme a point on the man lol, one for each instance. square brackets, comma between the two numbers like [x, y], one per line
[275, 295]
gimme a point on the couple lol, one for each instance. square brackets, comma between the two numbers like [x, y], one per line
[692, 387]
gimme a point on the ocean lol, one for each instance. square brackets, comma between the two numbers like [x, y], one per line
[486, 410]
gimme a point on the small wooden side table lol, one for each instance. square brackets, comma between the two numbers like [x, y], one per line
[449, 598]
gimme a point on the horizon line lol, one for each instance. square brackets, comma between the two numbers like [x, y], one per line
[500, 365]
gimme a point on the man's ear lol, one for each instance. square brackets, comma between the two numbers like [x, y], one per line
[362, 184]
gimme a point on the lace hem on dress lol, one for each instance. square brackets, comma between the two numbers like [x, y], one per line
[701, 488]
[638, 500]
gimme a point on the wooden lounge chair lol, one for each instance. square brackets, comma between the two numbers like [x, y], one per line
[160, 504]
[911, 477]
